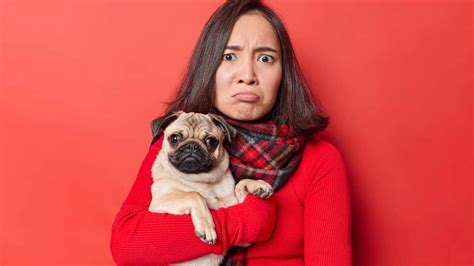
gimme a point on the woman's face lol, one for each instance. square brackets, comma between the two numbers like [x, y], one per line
[248, 78]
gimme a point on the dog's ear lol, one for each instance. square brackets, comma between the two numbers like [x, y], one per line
[228, 130]
[158, 125]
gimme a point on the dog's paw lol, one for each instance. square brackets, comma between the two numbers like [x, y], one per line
[260, 189]
[263, 193]
[209, 237]
[204, 228]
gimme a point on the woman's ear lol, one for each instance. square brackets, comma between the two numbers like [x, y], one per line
[228, 130]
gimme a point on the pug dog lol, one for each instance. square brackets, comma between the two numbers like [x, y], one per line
[191, 174]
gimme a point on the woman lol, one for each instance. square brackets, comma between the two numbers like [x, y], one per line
[244, 68]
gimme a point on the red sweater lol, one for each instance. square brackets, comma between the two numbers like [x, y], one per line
[312, 224]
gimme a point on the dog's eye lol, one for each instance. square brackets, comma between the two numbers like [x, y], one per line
[212, 142]
[174, 138]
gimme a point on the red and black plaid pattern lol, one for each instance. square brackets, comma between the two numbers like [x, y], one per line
[259, 151]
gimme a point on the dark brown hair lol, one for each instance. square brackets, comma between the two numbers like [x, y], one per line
[294, 104]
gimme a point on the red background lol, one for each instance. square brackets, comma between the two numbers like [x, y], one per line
[81, 80]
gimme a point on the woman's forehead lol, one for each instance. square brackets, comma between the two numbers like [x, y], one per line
[254, 30]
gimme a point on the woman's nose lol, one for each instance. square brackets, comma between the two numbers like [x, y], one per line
[247, 73]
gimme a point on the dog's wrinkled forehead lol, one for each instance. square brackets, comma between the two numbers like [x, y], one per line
[194, 125]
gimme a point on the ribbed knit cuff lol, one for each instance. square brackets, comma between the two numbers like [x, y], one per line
[252, 220]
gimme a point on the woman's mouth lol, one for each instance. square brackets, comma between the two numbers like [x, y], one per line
[247, 97]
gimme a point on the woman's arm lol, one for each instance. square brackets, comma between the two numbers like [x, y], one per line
[142, 237]
[327, 214]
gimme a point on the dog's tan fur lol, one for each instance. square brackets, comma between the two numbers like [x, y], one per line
[177, 193]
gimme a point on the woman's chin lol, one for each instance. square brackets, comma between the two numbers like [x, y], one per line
[245, 116]
[243, 111]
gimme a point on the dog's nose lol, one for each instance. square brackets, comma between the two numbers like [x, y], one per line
[192, 146]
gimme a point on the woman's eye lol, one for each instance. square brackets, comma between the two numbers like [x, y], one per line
[211, 142]
[228, 57]
[266, 58]
[174, 138]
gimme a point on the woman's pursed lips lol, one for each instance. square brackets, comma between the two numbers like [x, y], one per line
[246, 96]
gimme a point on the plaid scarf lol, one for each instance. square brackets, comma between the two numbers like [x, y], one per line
[259, 151]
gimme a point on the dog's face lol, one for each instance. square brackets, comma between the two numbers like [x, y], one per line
[193, 142]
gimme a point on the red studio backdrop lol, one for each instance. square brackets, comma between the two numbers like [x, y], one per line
[80, 81]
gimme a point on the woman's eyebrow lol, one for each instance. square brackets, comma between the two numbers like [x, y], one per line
[258, 49]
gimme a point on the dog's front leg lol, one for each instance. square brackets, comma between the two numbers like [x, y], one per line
[179, 202]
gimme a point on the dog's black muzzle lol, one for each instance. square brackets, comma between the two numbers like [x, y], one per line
[191, 158]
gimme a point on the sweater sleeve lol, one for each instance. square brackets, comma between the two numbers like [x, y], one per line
[140, 237]
[327, 214]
